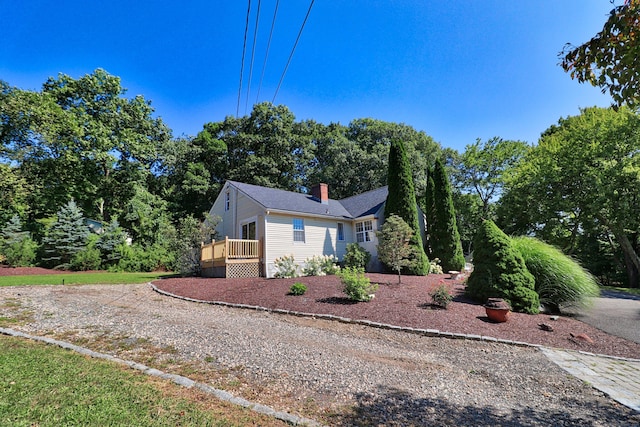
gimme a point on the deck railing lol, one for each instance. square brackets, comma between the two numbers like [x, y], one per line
[228, 249]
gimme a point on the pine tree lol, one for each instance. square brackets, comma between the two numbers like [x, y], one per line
[401, 200]
[444, 236]
[429, 212]
[500, 272]
[66, 236]
[11, 232]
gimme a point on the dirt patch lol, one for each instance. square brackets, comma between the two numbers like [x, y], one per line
[407, 304]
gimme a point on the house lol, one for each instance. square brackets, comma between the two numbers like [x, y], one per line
[262, 224]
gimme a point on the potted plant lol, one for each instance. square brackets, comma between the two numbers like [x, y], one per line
[497, 309]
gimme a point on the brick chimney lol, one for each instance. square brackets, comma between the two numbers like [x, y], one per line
[320, 192]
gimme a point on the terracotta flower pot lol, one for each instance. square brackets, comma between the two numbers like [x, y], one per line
[497, 310]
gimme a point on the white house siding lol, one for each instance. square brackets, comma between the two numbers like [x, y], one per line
[241, 209]
[320, 239]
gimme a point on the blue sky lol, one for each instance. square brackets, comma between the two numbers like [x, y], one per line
[457, 70]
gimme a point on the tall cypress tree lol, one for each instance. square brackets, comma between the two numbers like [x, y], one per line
[444, 236]
[401, 201]
[429, 212]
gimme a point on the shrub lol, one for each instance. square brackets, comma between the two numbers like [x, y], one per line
[285, 267]
[86, 259]
[436, 268]
[441, 296]
[560, 280]
[320, 265]
[297, 289]
[356, 256]
[499, 271]
[140, 258]
[21, 253]
[356, 285]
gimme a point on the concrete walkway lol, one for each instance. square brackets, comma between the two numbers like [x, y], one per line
[618, 314]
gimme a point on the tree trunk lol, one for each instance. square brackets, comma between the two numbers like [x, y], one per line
[631, 258]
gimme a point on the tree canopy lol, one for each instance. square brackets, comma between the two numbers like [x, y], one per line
[611, 59]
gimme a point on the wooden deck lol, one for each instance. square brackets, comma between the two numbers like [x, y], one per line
[232, 258]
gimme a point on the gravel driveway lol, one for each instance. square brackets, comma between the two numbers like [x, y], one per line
[336, 373]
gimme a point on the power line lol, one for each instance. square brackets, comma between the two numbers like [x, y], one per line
[253, 54]
[244, 48]
[291, 54]
[266, 55]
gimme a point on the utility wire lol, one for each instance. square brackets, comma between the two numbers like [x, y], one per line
[244, 47]
[266, 55]
[253, 54]
[291, 54]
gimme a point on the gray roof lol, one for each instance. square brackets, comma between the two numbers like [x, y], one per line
[352, 207]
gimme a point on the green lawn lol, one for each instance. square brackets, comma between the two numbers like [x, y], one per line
[80, 279]
[45, 385]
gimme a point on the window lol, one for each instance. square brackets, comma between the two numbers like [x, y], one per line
[340, 231]
[363, 231]
[249, 231]
[298, 230]
[227, 201]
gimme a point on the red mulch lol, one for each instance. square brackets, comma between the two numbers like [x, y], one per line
[407, 304]
[26, 271]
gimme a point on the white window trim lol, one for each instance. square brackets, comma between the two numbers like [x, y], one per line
[293, 225]
[248, 221]
[338, 227]
[227, 200]
[366, 231]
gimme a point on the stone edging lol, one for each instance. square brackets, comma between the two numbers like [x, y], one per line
[426, 332]
[177, 379]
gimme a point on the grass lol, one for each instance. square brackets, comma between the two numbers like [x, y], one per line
[47, 386]
[102, 278]
[560, 280]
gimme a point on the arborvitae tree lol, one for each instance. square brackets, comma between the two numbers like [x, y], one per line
[500, 272]
[430, 212]
[401, 201]
[444, 237]
[66, 236]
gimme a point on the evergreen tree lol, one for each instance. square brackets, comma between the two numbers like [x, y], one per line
[109, 243]
[500, 272]
[444, 237]
[11, 232]
[430, 212]
[16, 246]
[401, 201]
[66, 236]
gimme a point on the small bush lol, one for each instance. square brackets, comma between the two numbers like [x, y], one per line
[285, 267]
[436, 268]
[141, 258]
[560, 280]
[320, 265]
[356, 285]
[297, 289]
[356, 256]
[441, 296]
[86, 259]
[21, 253]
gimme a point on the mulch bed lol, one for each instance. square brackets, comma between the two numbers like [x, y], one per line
[407, 304]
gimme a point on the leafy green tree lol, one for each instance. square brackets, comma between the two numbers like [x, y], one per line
[444, 237]
[610, 59]
[401, 201]
[65, 237]
[394, 248]
[582, 177]
[14, 192]
[500, 272]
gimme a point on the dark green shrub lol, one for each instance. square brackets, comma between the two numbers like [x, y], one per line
[401, 201]
[356, 285]
[21, 253]
[137, 258]
[87, 258]
[499, 271]
[444, 237]
[560, 280]
[297, 289]
[356, 256]
[441, 296]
